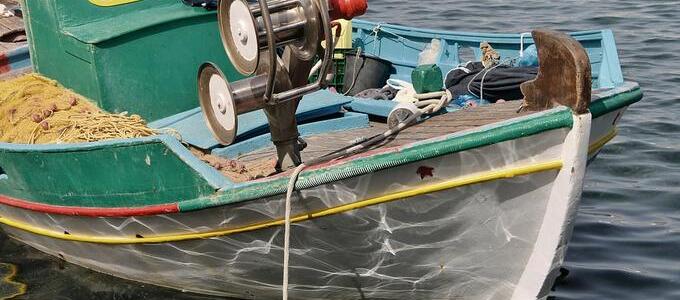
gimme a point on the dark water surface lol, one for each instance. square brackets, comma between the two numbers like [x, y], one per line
[626, 243]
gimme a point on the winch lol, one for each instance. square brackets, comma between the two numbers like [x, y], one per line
[276, 43]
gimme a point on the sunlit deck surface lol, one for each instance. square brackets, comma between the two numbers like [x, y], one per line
[436, 126]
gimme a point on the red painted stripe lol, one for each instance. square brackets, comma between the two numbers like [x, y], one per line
[4, 64]
[91, 211]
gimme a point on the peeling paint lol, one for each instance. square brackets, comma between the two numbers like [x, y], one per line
[425, 171]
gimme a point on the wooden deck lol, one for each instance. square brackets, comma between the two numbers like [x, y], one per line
[12, 33]
[434, 127]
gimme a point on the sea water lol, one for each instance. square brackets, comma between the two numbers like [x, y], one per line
[626, 242]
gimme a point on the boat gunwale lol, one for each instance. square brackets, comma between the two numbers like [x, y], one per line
[464, 180]
[471, 36]
[559, 117]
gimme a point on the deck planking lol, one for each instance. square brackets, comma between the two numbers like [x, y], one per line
[436, 126]
[11, 27]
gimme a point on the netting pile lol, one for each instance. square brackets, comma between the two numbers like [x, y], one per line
[37, 110]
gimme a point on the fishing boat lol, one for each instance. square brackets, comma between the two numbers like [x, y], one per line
[475, 203]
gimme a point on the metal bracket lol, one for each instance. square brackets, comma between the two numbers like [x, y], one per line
[269, 97]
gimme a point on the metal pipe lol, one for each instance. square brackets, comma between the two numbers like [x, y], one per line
[247, 94]
[327, 59]
[275, 6]
[296, 93]
[328, 33]
[288, 26]
[266, 18]
[284, 34]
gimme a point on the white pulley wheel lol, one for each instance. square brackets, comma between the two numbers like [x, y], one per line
[400, 114]
[239, 35]
[219, 109]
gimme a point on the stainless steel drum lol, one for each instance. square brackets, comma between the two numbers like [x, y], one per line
[295, 23]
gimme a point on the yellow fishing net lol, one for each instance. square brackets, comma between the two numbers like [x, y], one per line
[37, 110]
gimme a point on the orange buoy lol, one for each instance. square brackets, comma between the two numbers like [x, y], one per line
[347, 9]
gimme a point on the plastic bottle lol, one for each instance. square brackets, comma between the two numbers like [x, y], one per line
[431, 54]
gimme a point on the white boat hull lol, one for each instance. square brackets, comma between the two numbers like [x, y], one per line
[486, 223]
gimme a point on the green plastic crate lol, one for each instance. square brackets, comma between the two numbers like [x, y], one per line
[339, 67]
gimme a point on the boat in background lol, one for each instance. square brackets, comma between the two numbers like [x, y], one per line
[475, 203]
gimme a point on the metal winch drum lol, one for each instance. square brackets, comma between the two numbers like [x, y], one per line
[270, 40]
[244, 31]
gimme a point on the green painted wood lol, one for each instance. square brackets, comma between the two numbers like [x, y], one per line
[120, 174]
[120, 56]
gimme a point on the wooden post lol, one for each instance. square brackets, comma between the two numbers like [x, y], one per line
[564, 74]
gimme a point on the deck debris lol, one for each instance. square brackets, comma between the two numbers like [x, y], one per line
[235, 170]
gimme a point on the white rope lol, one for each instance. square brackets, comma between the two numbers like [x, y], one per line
[319, 63]
[286, 232]
[406, 41]
[315, 68]
[433, 106]
[355, 72]
[376, 31]
[399, 84]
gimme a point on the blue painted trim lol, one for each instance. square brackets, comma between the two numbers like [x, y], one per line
[379, 108]
[401, 45]
[168, 121]
[194, 131]
[348, 121]
[210, 174]
[610, 74]
[19, 58]
[509, 38]
[50, 148]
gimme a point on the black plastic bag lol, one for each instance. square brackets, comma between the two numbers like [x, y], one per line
[500, 82]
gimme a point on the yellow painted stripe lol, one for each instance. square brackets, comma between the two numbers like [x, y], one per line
[458, 182]
[107, 3]
[602, 141]
[454, 183]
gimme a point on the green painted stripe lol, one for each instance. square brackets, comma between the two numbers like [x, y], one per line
[487, 135]
[618, 101]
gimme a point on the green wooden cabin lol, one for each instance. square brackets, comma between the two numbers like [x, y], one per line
[127, 55]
